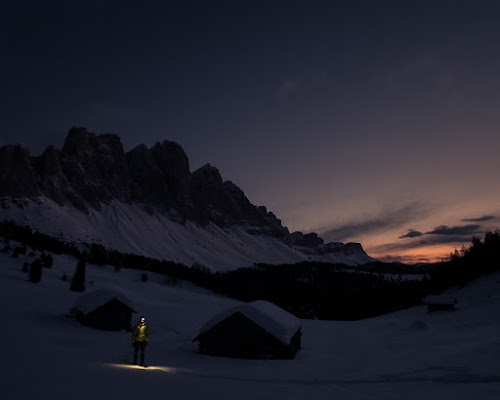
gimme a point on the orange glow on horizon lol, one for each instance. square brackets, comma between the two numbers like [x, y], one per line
[425, 254]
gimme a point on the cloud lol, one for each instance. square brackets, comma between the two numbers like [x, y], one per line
[411, 234]
[384, 221]
[480, 219]
[454, 237]
[451, 233]
[394, 247]
[461, 230]
[424, 241]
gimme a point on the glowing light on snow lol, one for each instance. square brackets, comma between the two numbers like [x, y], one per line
[168, 370]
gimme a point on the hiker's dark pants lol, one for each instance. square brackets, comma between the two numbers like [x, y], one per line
[142, 347]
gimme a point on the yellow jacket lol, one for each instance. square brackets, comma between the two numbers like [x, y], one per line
[140, 333]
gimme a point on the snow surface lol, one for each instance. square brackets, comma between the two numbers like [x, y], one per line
[436, 300]
[410, 354]
[128, 228]
[273, 319]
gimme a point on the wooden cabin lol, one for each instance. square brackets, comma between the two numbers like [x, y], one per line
[259, 329]
[107, 309]
[440, 303]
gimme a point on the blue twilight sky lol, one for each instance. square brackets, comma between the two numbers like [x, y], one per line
[371, 121]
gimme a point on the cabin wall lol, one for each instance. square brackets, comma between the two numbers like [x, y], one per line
[112, 316]
[237, 336]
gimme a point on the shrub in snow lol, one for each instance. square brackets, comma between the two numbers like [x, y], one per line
[47, 260]
[172, 280]
[19, 250]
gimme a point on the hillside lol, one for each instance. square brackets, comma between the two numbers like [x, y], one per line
[410, 354]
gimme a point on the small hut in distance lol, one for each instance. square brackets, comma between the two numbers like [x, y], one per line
[107, 309]
[440, 303]
[258, 329]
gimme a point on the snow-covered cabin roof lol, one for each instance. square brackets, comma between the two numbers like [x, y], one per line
[93, 300]
[273, 319]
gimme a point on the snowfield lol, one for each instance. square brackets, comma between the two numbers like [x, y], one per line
[129, 229]
[410, 354]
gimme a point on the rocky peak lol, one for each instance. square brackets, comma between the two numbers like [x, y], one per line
[111, 145]
[174, 163]
[78, 140]
[306, 240]
[225, 203]
[208, 175]
[141, 160]
[84, 144]
[48, 163]
[171, 158]
[17, 177]
[149, 184]
[51, 178]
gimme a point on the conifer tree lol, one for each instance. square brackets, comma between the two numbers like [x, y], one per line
[35, 274]
[26, 267]
[78, 282]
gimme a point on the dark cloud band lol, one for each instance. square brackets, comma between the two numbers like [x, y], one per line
[388, 220]
[411, 234]
[461, 230]
[480, 219]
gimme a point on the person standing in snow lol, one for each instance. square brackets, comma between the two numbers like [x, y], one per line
[140, 338]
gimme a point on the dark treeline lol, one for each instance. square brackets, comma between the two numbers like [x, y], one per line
[37, 241]
[323, 291]
[307, 289]
[95, 253]
[480, 258]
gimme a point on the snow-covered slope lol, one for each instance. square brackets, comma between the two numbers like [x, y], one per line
[409, 355]
[128, 228]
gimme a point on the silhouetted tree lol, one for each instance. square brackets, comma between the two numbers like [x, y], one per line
[78, 282]
[16, 252]
[26, 267]
[35, 275]
[97, 254]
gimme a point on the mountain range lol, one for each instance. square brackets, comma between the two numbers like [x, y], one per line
[147, 201]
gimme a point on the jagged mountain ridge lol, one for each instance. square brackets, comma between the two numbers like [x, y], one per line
[92, 189]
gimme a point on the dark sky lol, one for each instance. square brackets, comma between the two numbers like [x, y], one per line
[368, 121]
